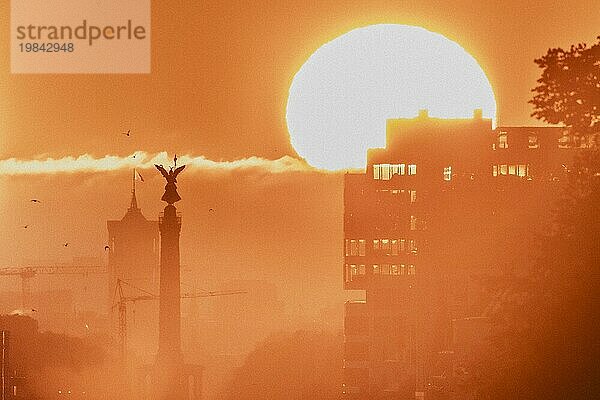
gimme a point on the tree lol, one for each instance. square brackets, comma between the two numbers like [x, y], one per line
[545, 341]
[546, 344]
[569, 88]
[288, 366]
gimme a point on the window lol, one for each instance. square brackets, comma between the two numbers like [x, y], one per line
[533, 141]
[394, 270]
[413, 196]
[411, 270]
[402, 269]
[385, 245]
[511, 169]
[413, 223]
[503, 140]
[385, 269]
[375, 244]
[353, 247]
[413, 246]
[387, 171]
[412, 169]
[376, 269]
[394, 246]
[353, 270]
[447, 173]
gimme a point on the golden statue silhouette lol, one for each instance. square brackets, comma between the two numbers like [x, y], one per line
[170, 196]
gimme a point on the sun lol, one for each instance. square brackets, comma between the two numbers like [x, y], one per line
[340, 98]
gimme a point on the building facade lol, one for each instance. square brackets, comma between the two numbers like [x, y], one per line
[445, 202]
[133, 246]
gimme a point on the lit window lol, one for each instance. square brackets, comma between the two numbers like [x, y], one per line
[402, 245]
[413, 246]
[447, 173]
[412, 169]
[353, 247]
[402, 269]
[522, 170]
[413, 223]
[385, 269]
[413, 196]
[533, 141]
[387, 171]
[375, 244]
[376, 171]
[394, 270]
[376, 269]
[385, 244]
[349, 273]
[495, 170]
[347, 247]
[503, 169]
[503, 140]
[362, 269]
[512, 169]
[394, 244]
[362, 244]
[411, 270]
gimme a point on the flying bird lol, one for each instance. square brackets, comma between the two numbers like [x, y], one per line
[66, 244]
[210, 209]
[128, 133]
[25, 226]
[35, 201]
[106, 248]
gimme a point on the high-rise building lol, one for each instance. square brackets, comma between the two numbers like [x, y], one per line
[133, 245]
[445, 201]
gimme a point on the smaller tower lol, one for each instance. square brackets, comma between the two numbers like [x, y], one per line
[133, 257]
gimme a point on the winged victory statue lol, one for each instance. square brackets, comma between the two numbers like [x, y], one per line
[170, 196]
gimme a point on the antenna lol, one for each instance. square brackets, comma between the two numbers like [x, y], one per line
[133, 183]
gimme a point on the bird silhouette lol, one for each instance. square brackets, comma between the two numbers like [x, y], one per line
[210, 209]
[106, 248]
[66, 244]
[35, 201]
[25, 226]
[128, 133]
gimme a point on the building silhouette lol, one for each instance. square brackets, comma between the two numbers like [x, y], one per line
[446, 201]
[133, 246]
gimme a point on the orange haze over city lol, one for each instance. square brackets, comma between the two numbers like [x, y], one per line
[255, 216]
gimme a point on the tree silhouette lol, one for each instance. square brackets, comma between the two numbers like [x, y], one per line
[546, 343]
[569, 88]
[287, 366]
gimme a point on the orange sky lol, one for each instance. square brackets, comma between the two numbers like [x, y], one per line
[221, 70]
[218, 88]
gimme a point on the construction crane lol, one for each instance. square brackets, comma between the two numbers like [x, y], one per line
[28, 272]
[121, 305]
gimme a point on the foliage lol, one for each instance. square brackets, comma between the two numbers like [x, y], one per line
[569, 88]
[546, 342]
[287, 366]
